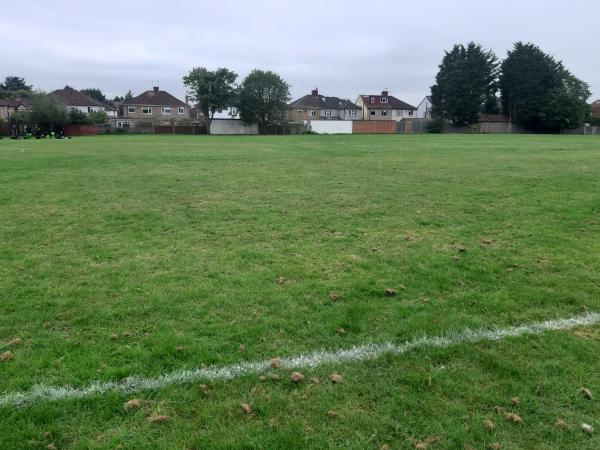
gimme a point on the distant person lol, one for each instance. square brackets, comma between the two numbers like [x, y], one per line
[14, 134]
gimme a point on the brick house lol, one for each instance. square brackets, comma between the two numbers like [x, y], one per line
[155, 106]
[319, 107]
[11, 105]
[385, 107]
[77, 101]
[596, 109]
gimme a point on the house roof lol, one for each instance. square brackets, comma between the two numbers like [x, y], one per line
[72, 97]
[321, 102]
[596, 108]
[13, 102]
[392, 102]
[155, 97]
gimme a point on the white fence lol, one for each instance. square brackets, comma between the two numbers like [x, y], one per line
[232, 126]
[331, 126]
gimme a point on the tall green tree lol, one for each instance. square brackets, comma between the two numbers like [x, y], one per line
[95, 93]
[539, 93]
[466, 85]
[212, 91]
[47, 113]
[12, 83]
[263, 98]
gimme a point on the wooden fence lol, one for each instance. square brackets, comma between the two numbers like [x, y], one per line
[373, 127]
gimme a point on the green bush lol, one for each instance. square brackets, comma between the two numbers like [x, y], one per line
[436, 125]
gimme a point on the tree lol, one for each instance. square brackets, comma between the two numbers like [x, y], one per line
[212, 91]
[12, 83]
[466, 85]
[121, 99]
[263, 98]
[95, 93]
[97, 117]
[77, 117]
[47, 113]
[539, 93]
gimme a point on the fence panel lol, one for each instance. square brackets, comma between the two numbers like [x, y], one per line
[374, 127]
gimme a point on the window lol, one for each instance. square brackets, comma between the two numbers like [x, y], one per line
[352, 113]
[90, 109]
[130, 109]
[384, 113]
[181, 110]
[384, 99]
[398, 112]
[372, 99]
[372, 112]
[165, 110]
[312, 112]
[146, 110]
[327, 113]
[410, 113]
[299, 112]
[124, 124]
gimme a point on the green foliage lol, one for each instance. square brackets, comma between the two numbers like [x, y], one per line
[465, 85]
[13, 84]
[595, 121]
[77, 117]
[212, 91]
[122, 99]
[436, 125]
[97, 118]
[539, 93]
[96, 94]
[46, 112]
[263, 98]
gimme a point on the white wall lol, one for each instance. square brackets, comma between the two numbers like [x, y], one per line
[331, 126]
[232, 126]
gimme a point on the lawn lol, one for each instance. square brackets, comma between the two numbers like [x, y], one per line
[139, 256]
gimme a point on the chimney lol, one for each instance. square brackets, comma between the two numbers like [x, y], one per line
[384, 93]
[156, 89]
[315, 91]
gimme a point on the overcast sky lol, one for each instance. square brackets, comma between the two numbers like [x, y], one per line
[344, 48]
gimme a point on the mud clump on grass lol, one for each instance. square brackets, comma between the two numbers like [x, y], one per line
[515, 401]
[389, 292]
[586, 393]
[513, 418]
[587, 428]
[6, 356]
[335, 378]
[297, 377]
[132, 404]
[275, 363]
[489, 425]
[155, 418]
[246, 408]
[560, 424]
[332, 414]
[333, 296]
[15, 341]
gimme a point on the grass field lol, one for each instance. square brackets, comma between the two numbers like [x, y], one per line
[138, 256]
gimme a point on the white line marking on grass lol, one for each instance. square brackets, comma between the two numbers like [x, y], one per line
[42, 393]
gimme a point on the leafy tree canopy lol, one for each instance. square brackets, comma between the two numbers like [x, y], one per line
[539, 93]
[466, 85]
[95, 93]
[212, 91]
[263, 97]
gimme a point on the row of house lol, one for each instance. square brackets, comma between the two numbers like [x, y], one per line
[366, 107]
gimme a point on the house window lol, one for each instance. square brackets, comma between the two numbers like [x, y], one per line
[372, 112]
[352, 113]
[410, 113]
[181, 110]
[384, 113]
[372, 99]
[124, 124]
[312, 112]
[165, 110]
[146, 110]
[398, 112]
[384, 99]
[90, 109]
[299, 112]
[130, 109]
[327, 113]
